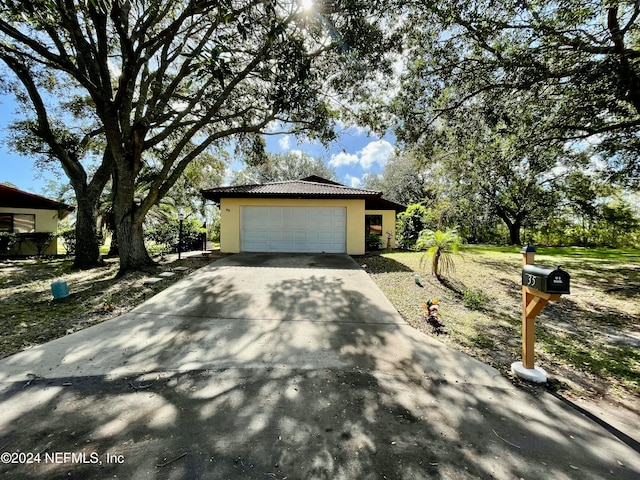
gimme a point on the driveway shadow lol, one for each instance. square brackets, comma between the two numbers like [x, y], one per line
[335, 387]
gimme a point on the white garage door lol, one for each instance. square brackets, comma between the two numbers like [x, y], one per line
[293, 229]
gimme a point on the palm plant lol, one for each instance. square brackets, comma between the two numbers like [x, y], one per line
[440, 247]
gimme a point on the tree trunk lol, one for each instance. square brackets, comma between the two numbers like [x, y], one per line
[87, 242]
[133, 254]
[514, 233]
[87, 199]
[128, 225]
[113, 248]
[514, 227]
[435, 266]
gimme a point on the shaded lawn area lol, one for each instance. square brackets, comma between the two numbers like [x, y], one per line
[589, 341]
[29, 316]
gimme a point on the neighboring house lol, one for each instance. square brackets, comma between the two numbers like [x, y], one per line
[313, 215]
[27, 214]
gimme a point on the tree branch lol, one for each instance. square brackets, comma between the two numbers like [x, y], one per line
[70, 164]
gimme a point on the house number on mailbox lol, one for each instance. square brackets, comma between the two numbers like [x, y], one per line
[540, 285]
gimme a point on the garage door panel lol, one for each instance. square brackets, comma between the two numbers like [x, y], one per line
[326, 237]
[293, 229]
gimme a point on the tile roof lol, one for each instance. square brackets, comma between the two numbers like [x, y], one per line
[309, 187]
[291, 188]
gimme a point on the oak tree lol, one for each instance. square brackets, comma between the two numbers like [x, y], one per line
[579, 60]
[181, 77]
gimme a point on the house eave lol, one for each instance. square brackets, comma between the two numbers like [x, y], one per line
[309, 188]
[217, 197]
[13, 198]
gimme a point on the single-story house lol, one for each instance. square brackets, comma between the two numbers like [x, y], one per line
[311, 215]
[25, 213]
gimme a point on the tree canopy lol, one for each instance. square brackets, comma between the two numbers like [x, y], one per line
[164, 81]
[405, 180]
[283, 166]
[578, 61]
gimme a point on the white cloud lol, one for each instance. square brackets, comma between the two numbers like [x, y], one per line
[274, 127]
[285, 143]
[595, 140]
[596, 163]
[376, 152]
[343, 158]
[354, 182]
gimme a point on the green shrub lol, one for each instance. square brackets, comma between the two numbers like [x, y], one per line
[68, 237]
[7, 241]
[41, 240]
[214, 231]
[166, 234]
[410, 223]
[474, 299]
[154, 249]
[374, 242]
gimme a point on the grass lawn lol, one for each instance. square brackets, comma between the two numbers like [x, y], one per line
[588, 342]
[29, 316]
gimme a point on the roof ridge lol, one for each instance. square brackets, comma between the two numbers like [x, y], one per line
[30, 194]
[301, 180]
[341, 185]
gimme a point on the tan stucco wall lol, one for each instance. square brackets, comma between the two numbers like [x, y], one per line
[230, 219]
[388, 224]
[46, 221]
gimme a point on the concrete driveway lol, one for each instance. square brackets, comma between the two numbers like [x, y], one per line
[281, 366]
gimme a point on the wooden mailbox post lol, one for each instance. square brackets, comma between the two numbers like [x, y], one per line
[540, 285]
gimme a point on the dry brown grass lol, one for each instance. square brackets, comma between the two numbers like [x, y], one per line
[588, 341]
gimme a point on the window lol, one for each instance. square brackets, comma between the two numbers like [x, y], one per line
[373, 224]
[23, 223]
[17, 222]
[6, 222]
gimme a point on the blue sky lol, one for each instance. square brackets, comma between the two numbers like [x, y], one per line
[353, 155]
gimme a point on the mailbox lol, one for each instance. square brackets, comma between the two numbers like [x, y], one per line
[545, 279]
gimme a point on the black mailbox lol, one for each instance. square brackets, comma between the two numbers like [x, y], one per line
[545, 279]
